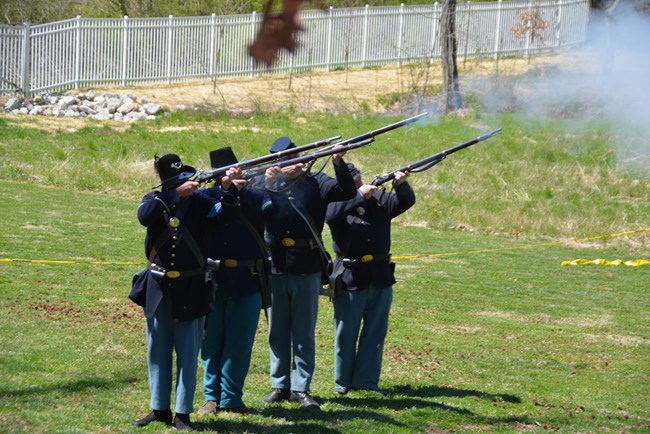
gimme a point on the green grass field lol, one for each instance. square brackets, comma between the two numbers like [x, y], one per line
[488, 333]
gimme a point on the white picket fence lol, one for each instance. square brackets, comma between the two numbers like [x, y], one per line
[87, 52]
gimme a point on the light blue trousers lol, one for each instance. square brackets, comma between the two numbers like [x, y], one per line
[358, 356]
[227, 348]
[292, 326]
[164, 335]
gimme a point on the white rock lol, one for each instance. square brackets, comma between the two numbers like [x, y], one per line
[12, 104]
[151, 108]
[127, 106]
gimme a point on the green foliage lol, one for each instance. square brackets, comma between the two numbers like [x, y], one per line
[43, 11]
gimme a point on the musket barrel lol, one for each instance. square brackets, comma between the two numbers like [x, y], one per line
[255, 171]
[432, 160]
[221, 171]
[342, 146]
[384, 129]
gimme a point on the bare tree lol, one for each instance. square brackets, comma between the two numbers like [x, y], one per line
[452, 97]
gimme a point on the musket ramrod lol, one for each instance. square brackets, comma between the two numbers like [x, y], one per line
[432, 160]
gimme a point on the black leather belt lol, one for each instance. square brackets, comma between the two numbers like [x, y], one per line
[160, 272]
[291, 242]
[174, 274]
[232, 263]
[368, 258]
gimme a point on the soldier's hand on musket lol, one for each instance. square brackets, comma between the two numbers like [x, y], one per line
[293, 171]
[240, 183]
[400, 177]
[187, 188]
[336, 158]
[231, 174]
[271, 175]
[368, 190]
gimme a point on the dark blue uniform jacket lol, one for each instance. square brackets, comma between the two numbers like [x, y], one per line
[191, 295]
[362, 227]
[235, 240]
[312, 194]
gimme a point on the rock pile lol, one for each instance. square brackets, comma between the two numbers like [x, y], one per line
[87, 105]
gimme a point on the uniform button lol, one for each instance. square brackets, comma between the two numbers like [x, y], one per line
[173, 246]
[173, 255]
[174, 238]
[172, 264]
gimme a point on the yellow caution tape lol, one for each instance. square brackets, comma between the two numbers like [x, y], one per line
[50, 261]
[634, 263]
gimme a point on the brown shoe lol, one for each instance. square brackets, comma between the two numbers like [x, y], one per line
[210, 407]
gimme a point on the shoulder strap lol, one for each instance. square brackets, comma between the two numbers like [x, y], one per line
[188, 236]
[162, 237]
[264, 284]
[311, 225]
[255, 234]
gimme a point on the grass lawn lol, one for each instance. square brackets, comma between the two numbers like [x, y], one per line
[488, 331]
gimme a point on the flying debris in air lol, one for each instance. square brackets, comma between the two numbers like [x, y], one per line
[278, 31]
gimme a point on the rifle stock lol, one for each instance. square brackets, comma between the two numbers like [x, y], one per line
[432, 160]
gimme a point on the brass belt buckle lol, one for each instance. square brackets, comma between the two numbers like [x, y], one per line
[367, 258]
[288, 242]
[173, 274]
[230, 263]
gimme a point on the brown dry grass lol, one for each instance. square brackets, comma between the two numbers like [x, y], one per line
[359, 90]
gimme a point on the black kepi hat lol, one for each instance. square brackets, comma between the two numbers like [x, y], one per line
[282, 144]
[222, 157]
[172, 171]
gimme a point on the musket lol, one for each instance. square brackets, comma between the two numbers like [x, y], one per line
[382, 130]
[219, 172]
[342, 146]
[307, 158]
[432, 160]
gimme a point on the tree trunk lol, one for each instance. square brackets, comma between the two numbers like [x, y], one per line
[452, 98]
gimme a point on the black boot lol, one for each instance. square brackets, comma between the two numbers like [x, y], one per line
[164, 416]
[182, 422]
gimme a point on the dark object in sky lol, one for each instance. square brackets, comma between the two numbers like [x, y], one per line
[278, 31]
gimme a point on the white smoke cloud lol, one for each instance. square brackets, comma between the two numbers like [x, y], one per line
[607, 78]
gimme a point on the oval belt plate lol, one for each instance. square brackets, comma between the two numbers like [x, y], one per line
[288, 242]
[173, 274]
[174, 222]
[366, 258]
[230, 263]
